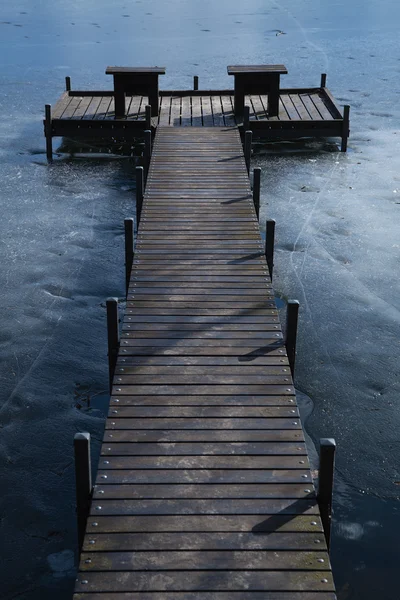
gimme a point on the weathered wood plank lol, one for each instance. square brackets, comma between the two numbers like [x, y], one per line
[205, 580]
[205, 541]
[204, 560]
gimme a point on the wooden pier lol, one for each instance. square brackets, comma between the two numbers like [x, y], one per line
[204, 490]
[300, 112]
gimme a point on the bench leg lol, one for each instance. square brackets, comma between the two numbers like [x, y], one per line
[153, 101]
[238, 100]
[273, 96]
[119, 98]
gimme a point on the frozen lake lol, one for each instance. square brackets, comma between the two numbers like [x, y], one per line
[337, 251]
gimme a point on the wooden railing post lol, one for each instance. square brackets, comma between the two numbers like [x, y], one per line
[147, 151]
[129, 251]
[327, 451]
[68, 84]
[47, 133]
[112, 336]
[346, 127]
[248, 138]
[256, 190]
[139, 193]
[195, 83]
[323, 80]
[83, 479]
[148, 116]
[246, 117]
[292, 317]
[270, 245]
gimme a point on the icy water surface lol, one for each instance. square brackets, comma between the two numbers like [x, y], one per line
[62, 255]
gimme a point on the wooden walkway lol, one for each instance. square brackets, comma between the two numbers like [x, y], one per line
[203, 490]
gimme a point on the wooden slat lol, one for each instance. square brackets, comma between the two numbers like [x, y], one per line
[205, 541]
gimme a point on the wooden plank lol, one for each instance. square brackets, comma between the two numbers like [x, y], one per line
[203, 449]
[175, 115]
[202, 491]
[213, 506]
[206, 523]
[204, 541]
[199, 423]
[186, 112]
[164, 112]
[204, 435]
[204, 580]
[203, 560]
[216, 476]
[206, 111]
[206, 595]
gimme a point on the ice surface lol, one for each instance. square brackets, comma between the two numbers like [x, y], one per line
[62, 255]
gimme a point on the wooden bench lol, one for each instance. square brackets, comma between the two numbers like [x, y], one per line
[257, 79]
[135, 81]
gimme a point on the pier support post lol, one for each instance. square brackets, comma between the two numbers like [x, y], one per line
[292, 317]
[195, 83]
[68, 84]
[323, 80]
[346, 127]
[327, 449]
[270, 245]
[246, 117]
[248, 139]
[83, 479]
[147, 151]
[148, 116]
[47, 133]
[139, 193]
[129, 251]
[256, 190]
[112, 336]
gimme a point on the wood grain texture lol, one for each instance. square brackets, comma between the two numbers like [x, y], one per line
[204, 485]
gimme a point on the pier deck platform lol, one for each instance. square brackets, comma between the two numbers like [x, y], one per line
[303, 112]
[204, 490]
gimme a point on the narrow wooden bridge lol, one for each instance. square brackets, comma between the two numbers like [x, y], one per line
[203, 490]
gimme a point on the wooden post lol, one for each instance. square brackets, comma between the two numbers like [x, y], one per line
[112, 336]
[129, 251]
[246, 117]
[346, 127]
[139, 193]
[83, 479]
[270, 245]
[327, 450]
[248, 138]
[195, 83]
[148, 116]
[47, 133]
[68, 84]
[147, 151]
[323, 80]
[292, 317]
[256, 190]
